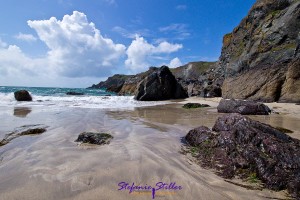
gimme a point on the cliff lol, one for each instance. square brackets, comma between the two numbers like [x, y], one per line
[260, 58]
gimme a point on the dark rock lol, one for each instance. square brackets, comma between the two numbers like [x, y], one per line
[159, 85]
[23, 130]
[74, 93]
[240, 146]
[194, 105]
[243, 107]
[94, 138]
[22, 95]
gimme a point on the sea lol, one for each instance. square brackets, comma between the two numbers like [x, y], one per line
[57, 97]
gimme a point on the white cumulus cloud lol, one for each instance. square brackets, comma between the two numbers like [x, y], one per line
[26, 37]
[175, 63]
[77, 47]
[141, 54]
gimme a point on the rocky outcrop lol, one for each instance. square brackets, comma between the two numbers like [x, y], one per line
[22, 95]
[260, 58]
[240, 146]
[112, 84]
[243, 107]
[94, 138]
[197, 79]
[159, 85]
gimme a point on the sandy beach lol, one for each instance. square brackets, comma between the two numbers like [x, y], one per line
[145, 151]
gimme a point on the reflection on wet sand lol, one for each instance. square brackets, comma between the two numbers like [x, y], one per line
[21, 111]
[145, 150]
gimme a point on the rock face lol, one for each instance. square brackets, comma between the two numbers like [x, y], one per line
[243, 107]
[239, 146]
[200, 78]
[22, 95]
[260, 58]
[159, 85]
[130, 85]
[94, 138]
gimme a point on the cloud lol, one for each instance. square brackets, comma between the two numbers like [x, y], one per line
[26, 37]
[76, 47]
[175, 63]
[141, 54]
[181, 7]
[179, 31]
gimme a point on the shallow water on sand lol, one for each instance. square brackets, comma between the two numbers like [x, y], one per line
[145, 150]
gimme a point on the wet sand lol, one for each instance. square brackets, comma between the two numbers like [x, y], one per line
[145, 150]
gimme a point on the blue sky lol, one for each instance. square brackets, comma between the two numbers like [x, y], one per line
[74, 43]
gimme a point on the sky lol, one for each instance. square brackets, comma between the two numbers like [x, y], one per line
[75, 43]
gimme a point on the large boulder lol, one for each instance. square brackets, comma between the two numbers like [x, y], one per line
[243, 107]
[239, 146]
[22, 95]
[159, 85]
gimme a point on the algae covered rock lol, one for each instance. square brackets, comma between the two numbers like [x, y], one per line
[94, 138]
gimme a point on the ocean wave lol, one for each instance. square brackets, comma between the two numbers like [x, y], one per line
[111, 102]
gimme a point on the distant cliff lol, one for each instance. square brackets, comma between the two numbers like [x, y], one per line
[260, 58]
[197, 78]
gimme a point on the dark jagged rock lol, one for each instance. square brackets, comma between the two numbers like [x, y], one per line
[243, 107]
[74, 93]
[23, 130]
[240, 146]
[22, 95]
[194, 105]
[261, 57]
[94, 138]
[159, 85]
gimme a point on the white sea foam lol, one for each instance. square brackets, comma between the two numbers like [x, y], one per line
[111, 102]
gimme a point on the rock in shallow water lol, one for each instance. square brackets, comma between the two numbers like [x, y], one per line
[194, 105]
[240, 146]
[22, 95]
[23, 130]
[94, 138]
[74, 93]
[243, 107]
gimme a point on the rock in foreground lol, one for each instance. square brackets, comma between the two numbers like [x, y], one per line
[240, 146]
[22, 95]
[94, 138]
[23, 130]
[159, 85]
[243, 107]
[194, 105]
